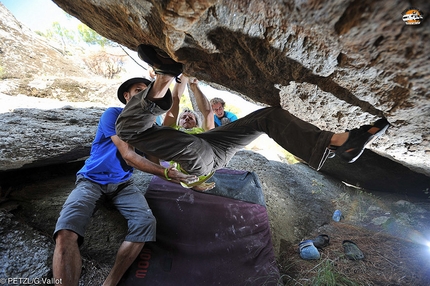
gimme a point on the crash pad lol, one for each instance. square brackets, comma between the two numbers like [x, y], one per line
[207, 238]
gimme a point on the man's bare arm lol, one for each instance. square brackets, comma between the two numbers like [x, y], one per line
[203, 105]
[171, 117]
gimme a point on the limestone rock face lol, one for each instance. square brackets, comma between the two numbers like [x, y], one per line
[337, 64]
[34, 138]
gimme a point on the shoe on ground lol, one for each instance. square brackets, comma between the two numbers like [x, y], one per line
[359, 139]
[321, 241]
[161, 62]
[352, 251]
[308, 251]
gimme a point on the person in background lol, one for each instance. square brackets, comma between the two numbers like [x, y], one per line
[188, 120]
[221, 116]
[107, 174]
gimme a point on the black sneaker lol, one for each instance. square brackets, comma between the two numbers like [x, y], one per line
[359, 139]
[161, 62]
[321, 241]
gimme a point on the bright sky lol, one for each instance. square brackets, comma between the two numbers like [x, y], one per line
[38, 15]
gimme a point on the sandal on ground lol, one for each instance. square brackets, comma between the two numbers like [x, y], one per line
[352, 251]
[321, 241]
[308, 251]
[161, 62]
[360, 138]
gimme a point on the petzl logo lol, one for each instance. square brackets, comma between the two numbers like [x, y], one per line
[412, 16]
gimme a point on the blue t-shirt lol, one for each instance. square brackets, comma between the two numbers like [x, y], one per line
[105, 164]
[227, 118]
[159, 120]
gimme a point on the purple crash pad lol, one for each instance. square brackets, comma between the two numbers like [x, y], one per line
[205, 239]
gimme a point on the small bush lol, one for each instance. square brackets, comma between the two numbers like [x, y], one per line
[105, 64]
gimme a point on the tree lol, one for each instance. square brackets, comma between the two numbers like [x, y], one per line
[63, 34]
[59, 33]
[101, 62]
[91, 37]
[105, 64]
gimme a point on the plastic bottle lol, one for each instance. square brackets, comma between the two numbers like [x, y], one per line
[337, 215]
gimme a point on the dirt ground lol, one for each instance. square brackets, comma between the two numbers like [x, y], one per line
[388, 260]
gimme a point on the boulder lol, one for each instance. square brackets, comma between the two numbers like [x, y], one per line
[338, 65]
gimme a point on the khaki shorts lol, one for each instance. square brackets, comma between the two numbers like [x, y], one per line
[126, 197]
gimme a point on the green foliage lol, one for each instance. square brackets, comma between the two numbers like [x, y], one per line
[101, 63]
[233, 109]
[83, 33]
[63, 33]
[59, 33]
[91, 37]
[185, 102]
[328, 276]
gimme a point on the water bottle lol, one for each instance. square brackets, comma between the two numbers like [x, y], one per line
[337, 215]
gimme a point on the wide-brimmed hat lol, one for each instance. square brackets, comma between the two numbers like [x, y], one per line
[126, 85]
